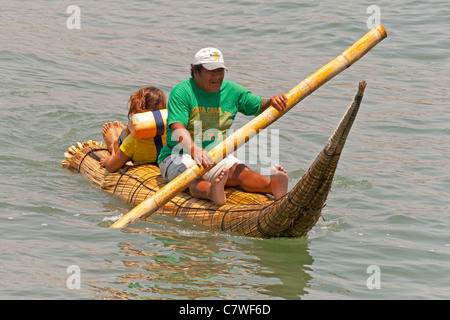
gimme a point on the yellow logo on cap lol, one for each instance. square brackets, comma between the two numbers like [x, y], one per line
[215, 55]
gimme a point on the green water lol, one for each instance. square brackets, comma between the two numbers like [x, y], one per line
[389, 205]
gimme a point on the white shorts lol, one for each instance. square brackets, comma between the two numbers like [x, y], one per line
[172, 166]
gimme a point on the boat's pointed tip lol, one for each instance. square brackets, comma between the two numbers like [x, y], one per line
[362, 87]
[302, 206]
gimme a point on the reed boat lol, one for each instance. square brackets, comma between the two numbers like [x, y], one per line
[292, 215]
[248, 214]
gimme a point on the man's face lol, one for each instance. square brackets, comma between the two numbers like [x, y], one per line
[209, 80]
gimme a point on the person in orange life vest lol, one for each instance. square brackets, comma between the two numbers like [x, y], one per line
[122, 145]
[207, 98]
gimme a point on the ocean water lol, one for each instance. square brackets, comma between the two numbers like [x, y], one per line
[385, 229]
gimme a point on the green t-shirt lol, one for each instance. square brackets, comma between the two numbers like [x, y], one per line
[206, 115]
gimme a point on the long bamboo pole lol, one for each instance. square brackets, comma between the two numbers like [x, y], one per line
[270, 115]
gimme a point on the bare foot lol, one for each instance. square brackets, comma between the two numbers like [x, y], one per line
[217, 192]
[278, 181]
[118, 126]
[111, 132]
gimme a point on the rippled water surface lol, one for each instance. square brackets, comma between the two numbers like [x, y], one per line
[389, 206]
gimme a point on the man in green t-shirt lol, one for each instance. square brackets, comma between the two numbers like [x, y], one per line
[200, 110]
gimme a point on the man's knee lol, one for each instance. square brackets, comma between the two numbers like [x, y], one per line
[237, 173]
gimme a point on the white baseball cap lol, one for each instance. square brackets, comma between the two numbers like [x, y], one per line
[209, 58]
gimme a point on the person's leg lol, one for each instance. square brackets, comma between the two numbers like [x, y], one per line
[211, 189]
[111, 132]
[175, 164]
[229, 172]
[242, 176]
[214, 190]
[279, 181]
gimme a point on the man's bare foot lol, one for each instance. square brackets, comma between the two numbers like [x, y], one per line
[217, 190]
[111, 132]
[278, 181]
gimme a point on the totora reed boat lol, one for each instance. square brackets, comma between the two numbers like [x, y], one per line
[248, 214]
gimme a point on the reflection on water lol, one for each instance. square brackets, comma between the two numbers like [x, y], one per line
[199, 264]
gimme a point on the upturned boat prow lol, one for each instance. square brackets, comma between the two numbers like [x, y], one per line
[300, 209]
[248, 214]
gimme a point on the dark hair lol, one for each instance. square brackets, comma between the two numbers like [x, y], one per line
[146, 99]
[197, 67]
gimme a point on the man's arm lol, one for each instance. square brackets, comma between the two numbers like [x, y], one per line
[278, 101]
[115, 162]
[183, 138]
